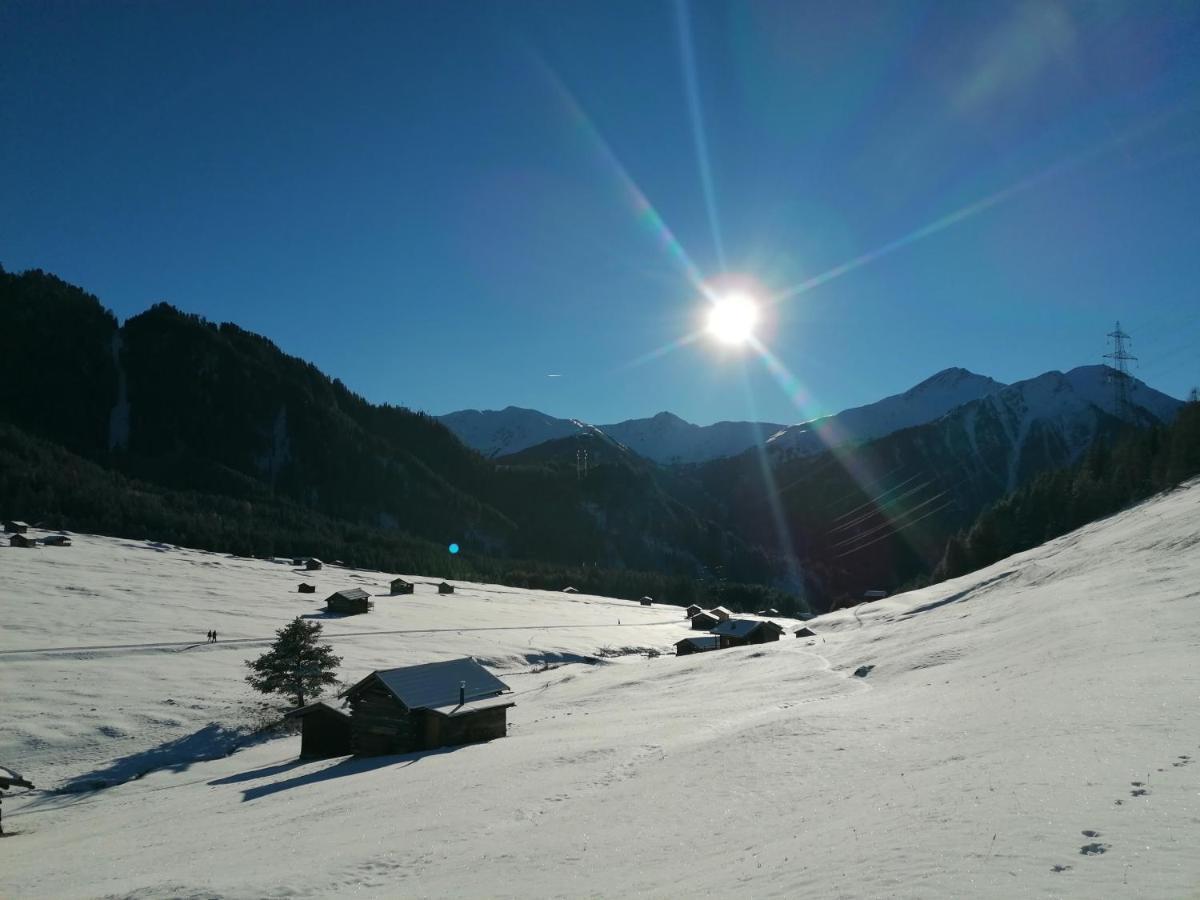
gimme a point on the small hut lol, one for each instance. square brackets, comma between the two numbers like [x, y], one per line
[646, 601]
[701, 643]
[306, 588]
[445, 588]
[350, 602]
[868, 596]
[15, 527]
[324, 730]
[804, 631]
[721, 612]
[692, 611]
[314, 564]
[22, 540]
[56, 540]
[400, 586]
[422, 707]
[570, 590]
[740, 632]
[703, 621]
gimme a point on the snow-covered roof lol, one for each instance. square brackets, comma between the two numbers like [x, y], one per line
[453, 710]
[740, 628]
[351, 594]
[319, 706]
[701, 641]
[436, 684]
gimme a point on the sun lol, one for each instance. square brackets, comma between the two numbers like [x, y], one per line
[732, 318]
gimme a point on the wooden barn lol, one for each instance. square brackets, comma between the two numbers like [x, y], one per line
[721, 612]
[305, 588]
[15, 527]
[445, 588]
[350, 602]
[804, 631]
[698, 644]
[56, 540]
[22, 540]
[692, 611]
[740, 632]
[314, 564]
[703, 621]
[324, 730]
[400, 586]
[422, 707]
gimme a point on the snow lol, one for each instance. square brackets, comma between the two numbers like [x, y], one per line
[1015, 722]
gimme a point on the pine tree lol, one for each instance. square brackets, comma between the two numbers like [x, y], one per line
[297, 664]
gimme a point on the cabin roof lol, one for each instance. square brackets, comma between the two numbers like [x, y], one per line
[351, 594]
[455, 709]
[17, 522]
[717, 610]
[319, 706]
[434, 685]
[740, 628]
[701, 641]
[400, 581]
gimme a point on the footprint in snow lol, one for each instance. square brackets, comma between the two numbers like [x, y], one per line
[1093, 849]
[1183, 761]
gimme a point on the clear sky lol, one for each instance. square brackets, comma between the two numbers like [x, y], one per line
[446, 203]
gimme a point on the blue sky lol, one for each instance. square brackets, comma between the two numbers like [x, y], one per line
[443, 204]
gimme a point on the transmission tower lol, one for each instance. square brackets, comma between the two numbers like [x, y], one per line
[1118, 375]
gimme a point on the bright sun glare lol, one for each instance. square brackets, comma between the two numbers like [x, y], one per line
[732, 319]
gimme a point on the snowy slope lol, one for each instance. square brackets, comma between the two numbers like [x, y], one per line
[929, 400]
[1030, 730]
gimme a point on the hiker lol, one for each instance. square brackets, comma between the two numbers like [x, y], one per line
[214, 637]
[208, 637]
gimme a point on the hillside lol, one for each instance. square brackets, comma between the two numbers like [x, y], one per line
[973, 757]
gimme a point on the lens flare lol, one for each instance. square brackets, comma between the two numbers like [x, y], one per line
[732, 319]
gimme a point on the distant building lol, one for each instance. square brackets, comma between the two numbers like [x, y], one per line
[570, 590]
[740, 632]
[21, 540]
[874, 595]
[721, 613]
[400, 586]
[15, 527]
[324, 730]
[423, 707]
[646, 601]
[314, 564]
[701, 643]
[692, 611]
[307, 588]
[767, 612]
[703, 621]
[56, 540]
[804, 631]
[350, 602]
[445, 588]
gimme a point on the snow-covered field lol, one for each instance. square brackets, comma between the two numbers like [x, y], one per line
[1032, 729]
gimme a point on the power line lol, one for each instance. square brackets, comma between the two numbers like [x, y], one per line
[1118, 375]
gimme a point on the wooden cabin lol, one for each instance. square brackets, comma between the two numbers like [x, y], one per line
[324, 730]
[804, 631]
[400, 586]
[22, 540]
[570, 590]
[741, 632]
[721, 612]
[692, 611]
[646, 601]
[314, 565]
[307, 588]
[15, 527]
[868, 596]
[701, 643]
[422, 707]
[703, 621]
[56, 540]
[445, 588]
[350, 602]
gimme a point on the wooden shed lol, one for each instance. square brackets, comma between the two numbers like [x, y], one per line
[646, 601]
[22, 540]
[740, 632]
[692, 610]
[324, 730]
[306, 588]
[56, 540]
[570, 590]
[400, 586]
[314, 564]
[423, 707]
[721, 612]
[804, 631]
[698, 644]
[703, 621]
[352, 601]
[14, 527]
[868, 596]
[445, 588]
